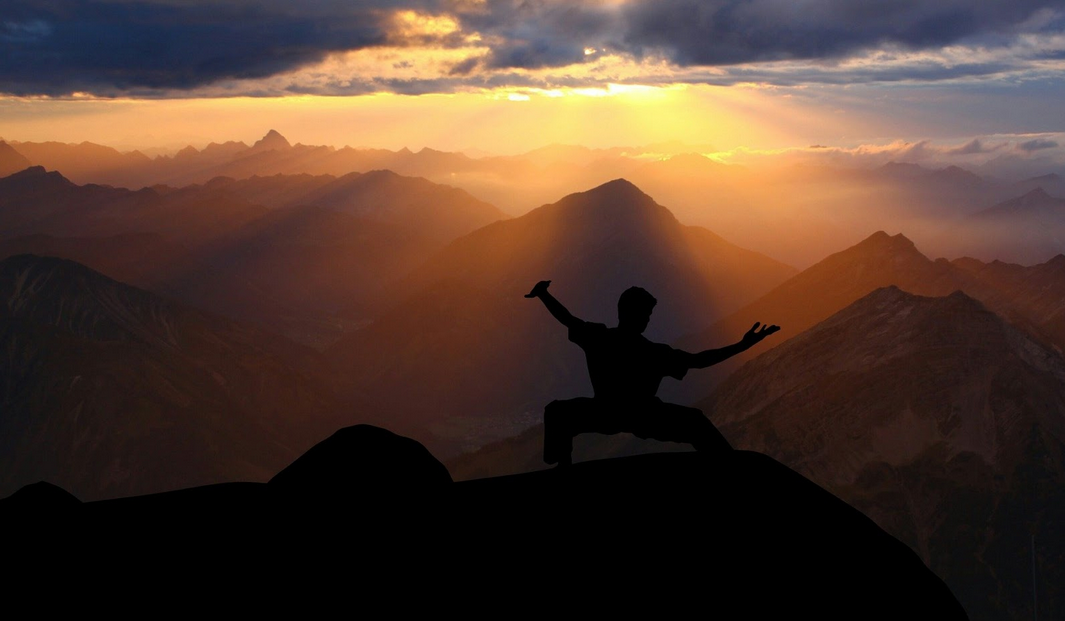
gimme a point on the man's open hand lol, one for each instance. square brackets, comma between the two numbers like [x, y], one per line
[539, 289]
[755, 336]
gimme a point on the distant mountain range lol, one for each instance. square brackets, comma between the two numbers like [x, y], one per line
[791, 212]
[300, 255]
[1027, 229]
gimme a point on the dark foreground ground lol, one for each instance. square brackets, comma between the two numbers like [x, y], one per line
[368, 519]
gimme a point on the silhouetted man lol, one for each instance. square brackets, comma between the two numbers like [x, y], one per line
[625, 370]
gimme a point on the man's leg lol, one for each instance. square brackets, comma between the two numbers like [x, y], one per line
[676, 423]
[563, 420]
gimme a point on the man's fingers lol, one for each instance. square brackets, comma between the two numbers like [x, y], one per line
[755, 326]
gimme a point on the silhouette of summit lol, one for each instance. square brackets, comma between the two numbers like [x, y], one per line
[407, 529]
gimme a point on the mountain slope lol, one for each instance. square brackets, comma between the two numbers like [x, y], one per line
[11, 161]
[933, 416]
[436, 211]
[305, 272]
[819, 291]
[110, 390]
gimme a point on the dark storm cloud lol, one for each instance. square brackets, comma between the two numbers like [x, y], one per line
[532, 34]
[57, 47]
[1037, 144]
[169, 47]
[723, 32]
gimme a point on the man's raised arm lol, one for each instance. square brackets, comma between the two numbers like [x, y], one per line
[711, 357]
[554, 306]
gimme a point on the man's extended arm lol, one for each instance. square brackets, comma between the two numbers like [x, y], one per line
[711, 357]
[554, 306]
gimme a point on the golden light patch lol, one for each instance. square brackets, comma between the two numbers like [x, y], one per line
[412, 25]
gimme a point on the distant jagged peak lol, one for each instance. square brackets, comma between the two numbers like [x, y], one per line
[32, 171]
[228, 146]
[188, 151]
[39, 174]
[1047, 178]
[1057, 261]
[218, 182]
[888, 294]
[880, 240]
[619, 188]
[904, 168]
[893, 297]
[1038, 194]
[1037, 199]
[956, 173]
[273, 140]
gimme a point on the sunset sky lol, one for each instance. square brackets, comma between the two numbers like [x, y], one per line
[506, 76]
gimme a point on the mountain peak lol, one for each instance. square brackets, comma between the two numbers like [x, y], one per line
[1037, 194]
[273, 140]
[32, 171]
[36, 175]
[611, 199]
[882, 241]
[618, 188]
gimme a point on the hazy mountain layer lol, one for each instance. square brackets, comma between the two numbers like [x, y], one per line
[305, 256]
[1027, 229]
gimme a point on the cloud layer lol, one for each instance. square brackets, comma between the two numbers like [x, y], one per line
[213, 47]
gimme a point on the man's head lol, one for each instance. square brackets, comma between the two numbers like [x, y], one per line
[634, 309]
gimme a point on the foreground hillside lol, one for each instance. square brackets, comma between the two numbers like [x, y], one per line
[739, 534]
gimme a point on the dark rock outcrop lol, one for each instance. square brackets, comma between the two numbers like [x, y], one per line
[738, 534]
[362, 460]
[39, 499]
